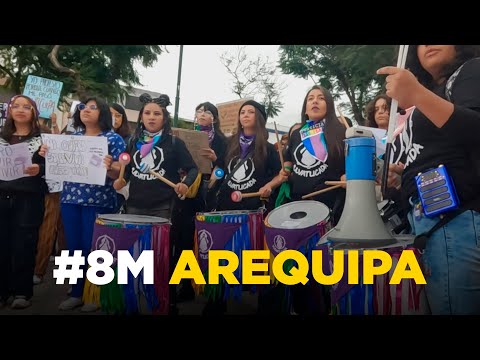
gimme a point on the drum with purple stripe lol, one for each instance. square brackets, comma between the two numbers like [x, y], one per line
[137, 296]
[381, 297]
[235, 230]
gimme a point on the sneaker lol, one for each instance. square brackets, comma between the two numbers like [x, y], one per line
[20, 302]
[70, 304]
[90, 307]
[37, 279]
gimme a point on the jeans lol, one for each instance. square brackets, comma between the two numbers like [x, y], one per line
[451, 263]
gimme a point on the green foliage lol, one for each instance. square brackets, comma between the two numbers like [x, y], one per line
[102, 70]
[342, 69]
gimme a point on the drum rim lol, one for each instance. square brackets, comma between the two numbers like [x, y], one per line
[323, 222]
[135, 221]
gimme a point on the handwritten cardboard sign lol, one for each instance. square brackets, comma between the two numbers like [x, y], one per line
[196, 141]
[13, 160]
[76, 158]
[228, 113]
[44, 92]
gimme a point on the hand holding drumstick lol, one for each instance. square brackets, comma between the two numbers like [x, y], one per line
[124, 160]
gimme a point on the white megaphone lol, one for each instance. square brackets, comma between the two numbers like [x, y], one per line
[360, 225]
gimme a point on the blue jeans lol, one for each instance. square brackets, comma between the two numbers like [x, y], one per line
[78, 222]
[451, 263]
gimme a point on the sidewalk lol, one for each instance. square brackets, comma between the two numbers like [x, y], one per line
[48, 295]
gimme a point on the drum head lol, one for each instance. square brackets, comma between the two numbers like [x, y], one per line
[298, 215]
[132, 219]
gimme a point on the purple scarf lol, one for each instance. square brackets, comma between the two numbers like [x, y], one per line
[245, 142]
[209, 130]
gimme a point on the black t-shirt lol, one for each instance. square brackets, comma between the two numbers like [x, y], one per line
[309, 174]
[422, 146]
[167, 157]
[27, 184]
[248, 179]
[219, 145]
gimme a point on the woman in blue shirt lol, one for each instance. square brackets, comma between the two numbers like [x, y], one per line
[81, 203]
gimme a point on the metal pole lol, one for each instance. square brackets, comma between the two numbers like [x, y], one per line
[177, 98]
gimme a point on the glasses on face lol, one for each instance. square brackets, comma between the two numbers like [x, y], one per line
[117, 116]
[24, 107]
[83, 107]
[200, 112]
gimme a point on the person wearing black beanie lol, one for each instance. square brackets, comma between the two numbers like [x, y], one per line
[251, 162]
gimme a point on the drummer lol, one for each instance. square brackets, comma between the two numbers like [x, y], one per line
[315, 154]
[207, 120]
[251, 162]
[152, 147]
[310, 161]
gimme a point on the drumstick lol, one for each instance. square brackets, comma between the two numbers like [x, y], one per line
[280, 152]
[320, 191]
[237, 196]
[217, 174]
[166, 181]
[160, 177]
[344, 121]
[335, 182]
[124, 160]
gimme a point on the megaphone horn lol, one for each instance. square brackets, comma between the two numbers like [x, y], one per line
[360, 224]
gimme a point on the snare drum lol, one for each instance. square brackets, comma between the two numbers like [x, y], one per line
[298, 225]
[226, 230]
[137, 296]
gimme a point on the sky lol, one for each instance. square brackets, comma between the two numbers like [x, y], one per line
[204, 78]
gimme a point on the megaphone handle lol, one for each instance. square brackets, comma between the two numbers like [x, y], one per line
[320, 191]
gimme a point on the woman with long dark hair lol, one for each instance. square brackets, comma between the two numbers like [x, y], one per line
[120, 121]
[260, 160]
[21, 204]
[81, 203]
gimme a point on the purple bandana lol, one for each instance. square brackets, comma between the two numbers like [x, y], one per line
[209, 130]
[245, 142]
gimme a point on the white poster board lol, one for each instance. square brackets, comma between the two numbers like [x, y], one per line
[76, 158]
[13, 160]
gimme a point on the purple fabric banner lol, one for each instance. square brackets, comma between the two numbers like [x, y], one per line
[279, 240]
[112, 239]
[212, 236]
[341, 288]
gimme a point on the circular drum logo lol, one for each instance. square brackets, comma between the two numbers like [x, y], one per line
[279, 243]
[205, 243]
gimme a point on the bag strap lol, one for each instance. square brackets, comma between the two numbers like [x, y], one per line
[420, 241]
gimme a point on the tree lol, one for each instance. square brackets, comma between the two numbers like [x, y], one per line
[255, 77]
[104, 70]
[342, 69]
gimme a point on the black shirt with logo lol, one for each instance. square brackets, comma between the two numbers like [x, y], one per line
[248, 179]
[166, 158]
[309, 173]
[422, 146]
